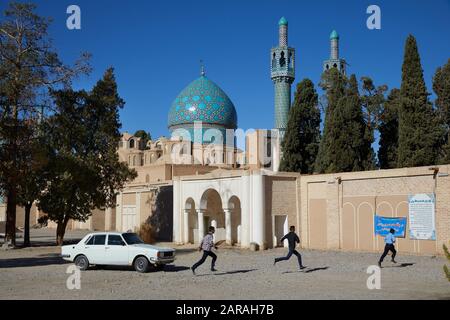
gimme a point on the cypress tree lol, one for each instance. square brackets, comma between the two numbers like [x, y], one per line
[333, 82]
[301, 141]
[387, 154]
[441, 86]
[354, 139]
[345, 145]
[419, 129]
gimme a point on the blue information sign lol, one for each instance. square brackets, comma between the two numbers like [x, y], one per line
[384, 224]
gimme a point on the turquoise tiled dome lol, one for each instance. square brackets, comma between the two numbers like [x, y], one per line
[202, 100]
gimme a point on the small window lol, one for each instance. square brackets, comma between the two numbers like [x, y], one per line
[115, 240]
[97, 240]
[282, 60]
[132, 144]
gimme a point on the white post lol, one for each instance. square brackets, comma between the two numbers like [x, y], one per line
[245, 211]
[186, 226]
[176, 212]
[228, 226]
[201, 225]
[258, 209]
[239, 237]
[214, 224]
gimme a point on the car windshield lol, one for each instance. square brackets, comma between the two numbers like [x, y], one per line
[132, 238]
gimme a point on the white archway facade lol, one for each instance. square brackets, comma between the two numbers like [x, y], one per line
[233, 202]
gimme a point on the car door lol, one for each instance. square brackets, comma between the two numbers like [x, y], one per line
[116, 251]
[94, 249]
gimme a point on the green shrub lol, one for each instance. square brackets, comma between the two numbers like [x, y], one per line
[446, 269]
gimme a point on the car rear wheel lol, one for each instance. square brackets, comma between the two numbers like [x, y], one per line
[82, 262]
[141, 264]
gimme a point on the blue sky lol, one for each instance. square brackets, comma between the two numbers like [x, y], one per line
[155, 47]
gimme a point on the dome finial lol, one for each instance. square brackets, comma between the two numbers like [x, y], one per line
[334, 35]
[283, 22]
[202, 68]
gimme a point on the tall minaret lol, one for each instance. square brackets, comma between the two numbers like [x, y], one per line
[282, 74]
[334, 61]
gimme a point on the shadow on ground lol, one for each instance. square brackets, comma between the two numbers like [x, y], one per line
[400, 265]
[167, 268]
[225, 273]
[308, 270]
[43, 260]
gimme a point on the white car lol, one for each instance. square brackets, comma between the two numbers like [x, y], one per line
[119, 249]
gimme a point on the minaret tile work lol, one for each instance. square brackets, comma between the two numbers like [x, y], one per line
[334, 61]
[283, 75]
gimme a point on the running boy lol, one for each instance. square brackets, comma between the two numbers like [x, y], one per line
[206, 245]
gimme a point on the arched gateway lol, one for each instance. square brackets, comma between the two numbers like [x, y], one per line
[231, 201]
[210, 211]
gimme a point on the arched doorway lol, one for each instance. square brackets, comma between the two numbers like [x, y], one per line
[234, 206]
[190, 221]
[211, 205]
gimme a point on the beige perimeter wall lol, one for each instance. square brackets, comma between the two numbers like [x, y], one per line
[337, 210]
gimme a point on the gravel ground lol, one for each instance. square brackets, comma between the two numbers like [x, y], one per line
[38, 273]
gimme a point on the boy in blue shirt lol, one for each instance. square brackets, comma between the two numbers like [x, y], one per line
[390, 246]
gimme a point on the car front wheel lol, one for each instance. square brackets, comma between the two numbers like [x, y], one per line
[141, 264]
[82, 262]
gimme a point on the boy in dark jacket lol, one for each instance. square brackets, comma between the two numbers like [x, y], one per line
[292, 239]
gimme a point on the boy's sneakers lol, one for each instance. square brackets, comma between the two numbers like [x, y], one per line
[193, 271]
[393, 261]
[302, 267]
[379, 264]
[213, 270]
[274, 261]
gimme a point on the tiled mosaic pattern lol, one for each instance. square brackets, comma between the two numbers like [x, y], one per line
[282, 105]
[204, 101]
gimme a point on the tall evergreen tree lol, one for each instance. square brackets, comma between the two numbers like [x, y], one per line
[420, 132]
[387, 153]
[301, 141]
[441, 86]
[333, 82]
[84, 168]
[29, 66]
[372, 102]
[345, 145]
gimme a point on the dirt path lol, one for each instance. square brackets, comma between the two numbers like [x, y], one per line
[39, 273]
